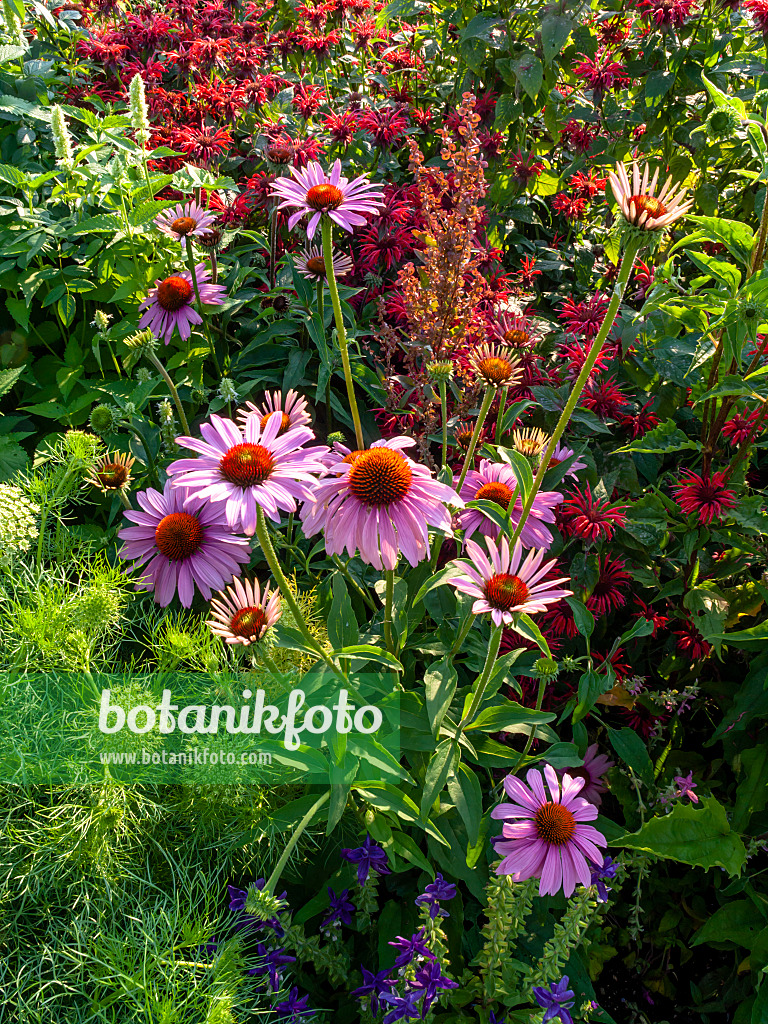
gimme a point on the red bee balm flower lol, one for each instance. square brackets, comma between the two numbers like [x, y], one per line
[704, 496]
[590, 518]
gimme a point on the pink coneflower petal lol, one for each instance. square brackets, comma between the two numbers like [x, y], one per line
[168, 307]
[185, 542]
[241, 614]
[546, 837]
[185, 221]
[313, 193]
[496, 481]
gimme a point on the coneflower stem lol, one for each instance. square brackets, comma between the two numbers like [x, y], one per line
[443, 388]
[486, 405]
[631, 251]
[201, 311]
[172, 388]
[478, 690]
[500, 417]
[389, 576]
[532, 733]
[461, 637]
[274, 878]
[269, 553]
[327, 230]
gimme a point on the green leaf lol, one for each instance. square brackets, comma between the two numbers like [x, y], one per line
[342, 624]
[500, 717]
[667, 437]
[434, 581]
[555, 29]
[735, 236]
[8, 378]
[405, 847]
[467, 794]
[582, 616]
[700, 836]
[367, 653]
[752, 639]
[67, 307]
[725, 273]
[631, 749]
[529, 73]
[506, 111]
[388, 798]
[591, 686]
[440, 764]
[440, 682]
[12, 457]
[739, 922]
[752, 793]
[8, 53]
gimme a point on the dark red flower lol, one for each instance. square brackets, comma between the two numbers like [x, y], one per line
[691, 642]
[592, 519]
[387, 125]
[587, 185]
[578, 136]
[609, 592]
[383, 249]
[738, 428]
[307, 99]
[525, 167]
[641, 422]
[602, 73]
[649, 612]
[604, 398]
[704, 496]
[202, 145]
[527, 273]
[620, 667]
[570, 207]
[585, 317]
[665, 13]
[341, 127]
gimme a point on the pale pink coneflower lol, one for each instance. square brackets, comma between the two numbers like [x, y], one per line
[638, 203]
[293, 409]
[314, 193]
[505, 585]
[242, 614]
[496, 481]
[185, 221]
[310, 263]
[169, 304]
[250, 468]
[545, 835]
[379, 502]
[185, 542]
[592, 771]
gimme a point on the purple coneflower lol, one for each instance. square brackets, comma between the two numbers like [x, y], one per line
[503, 586]
[380, 503]
[249, 469]
[595, 765]
[560, 453]
[313, 193]
[241, 614]
[310, 263]
[517, 330]
[169, 303]
[186, 220]
[638, 203]
[185, 541]
[496, 481]
[544, 835]
[293, 410]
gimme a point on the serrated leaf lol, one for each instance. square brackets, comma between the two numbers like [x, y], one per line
[529, 73]
[555, 30]
[13, 458]
[695, 835]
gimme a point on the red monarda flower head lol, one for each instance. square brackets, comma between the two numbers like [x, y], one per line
[602, 73]
[666, 13]
[706, 497]
[590, 518]
[610, 590]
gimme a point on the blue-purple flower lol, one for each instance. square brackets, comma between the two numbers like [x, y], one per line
[341, 910]
[411, 948]
[431, 980]
[375, 986]
[237, 901]
[295, 1006]
[434, 893]
[556, 1001]
[369, 855]
[600, 875]
[272, 960]
[403, 1007]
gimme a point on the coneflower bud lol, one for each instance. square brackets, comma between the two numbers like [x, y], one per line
[167, 425]
[143, 343]
[722, 123]
[753, 311]
[227, 391]
[104, 419]
[95, 610]
[137, 110]
[143, 374]
[440, 371]
[336, 437]
[101, 321]
[263, 905]
[62, 140]
[546, 668]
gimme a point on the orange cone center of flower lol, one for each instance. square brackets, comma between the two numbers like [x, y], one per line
[247, 464]
[284, 423]
[555, 824]
[517, 337]
[178, 536]
[325, 197]
[648, 203]
[504, 591]
[112, 475]
[183, 225]
[354, 456]
[316, 265]
[173, 293]
[249, 622]
[495, 370]
[463, 437]
[497, 492]
[380, 476]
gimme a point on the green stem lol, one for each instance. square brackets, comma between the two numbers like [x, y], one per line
[351, 580]
[389, 576]
[44, 513]
[274, 878]
[461, 637]
[500, 417]
[532, 733]
[201, 311]
[327, 229]
[172, 388]
[269, 553]
[487, 400]
[627, 263]
[482, 681]
[443, 387]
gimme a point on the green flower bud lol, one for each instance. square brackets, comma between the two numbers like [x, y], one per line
[62, 140]
[440, 371]
[721, 123]
[336, 437]
[104, 419]
[263, 905]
